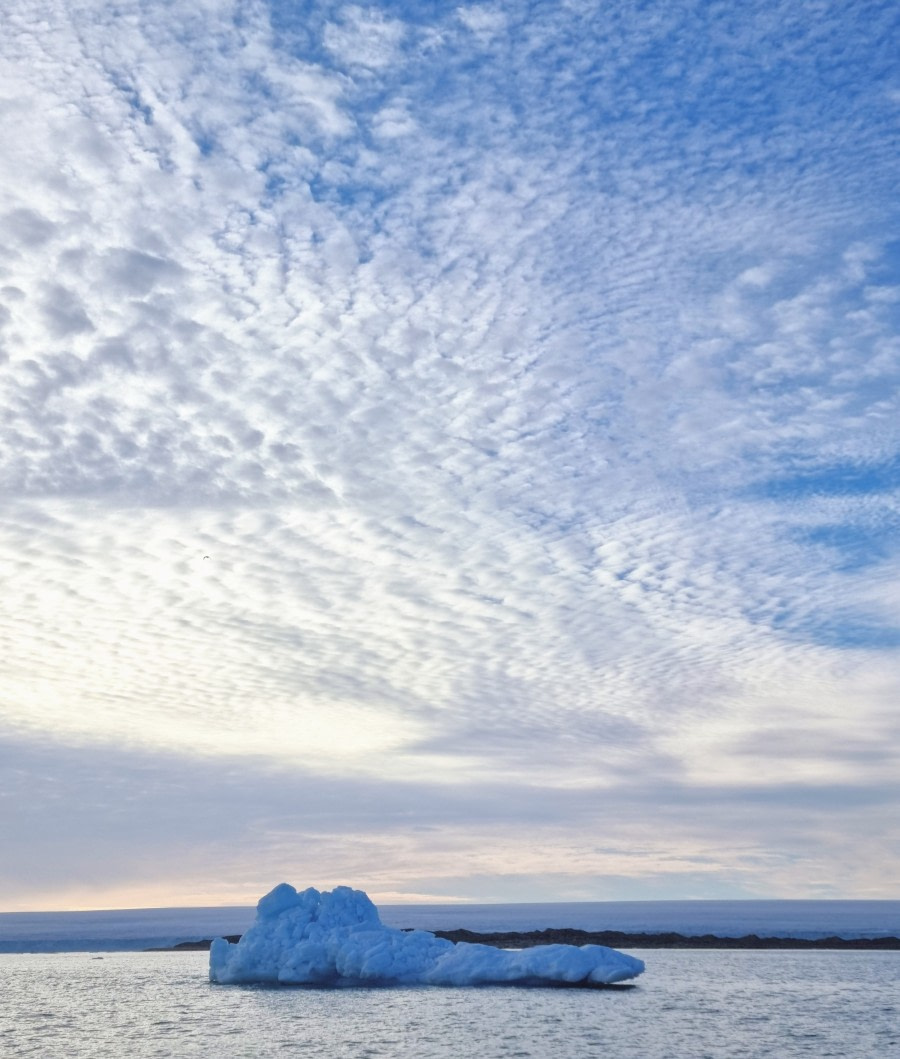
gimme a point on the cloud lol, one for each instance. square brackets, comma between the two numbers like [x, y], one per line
[364, 38]
[410, 397]
[98, 822]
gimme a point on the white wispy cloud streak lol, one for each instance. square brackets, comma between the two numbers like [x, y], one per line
[489, 399]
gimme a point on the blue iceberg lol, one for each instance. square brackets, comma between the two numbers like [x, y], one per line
[336, 938]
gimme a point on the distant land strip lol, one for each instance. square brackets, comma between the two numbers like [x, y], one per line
[668, 940]
[616, 939]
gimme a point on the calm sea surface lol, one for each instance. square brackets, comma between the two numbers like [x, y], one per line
[688, 1005]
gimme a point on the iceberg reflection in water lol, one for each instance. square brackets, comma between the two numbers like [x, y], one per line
[337, 938]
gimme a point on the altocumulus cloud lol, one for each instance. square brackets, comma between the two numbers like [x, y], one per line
[486, 415]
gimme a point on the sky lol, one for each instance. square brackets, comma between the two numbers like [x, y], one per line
[449, 450]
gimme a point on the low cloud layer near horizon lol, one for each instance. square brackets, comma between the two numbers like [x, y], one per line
[451, 451]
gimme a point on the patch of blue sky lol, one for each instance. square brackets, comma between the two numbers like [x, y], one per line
[834, 480]
[349, 193]
[847, 631]
[304, 20]
[206, 143]
[887, 268]
[130, 93]
[683, 97]
[702, 69]
[276, 185]
[855, 547]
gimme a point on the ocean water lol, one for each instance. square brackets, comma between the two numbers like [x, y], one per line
[689, 1005]
[142, 928]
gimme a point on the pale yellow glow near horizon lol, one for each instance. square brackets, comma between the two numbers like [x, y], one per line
[137, 898]
[637, 860]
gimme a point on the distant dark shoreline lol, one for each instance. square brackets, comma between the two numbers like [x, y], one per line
[669, 940]
[617, 939]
